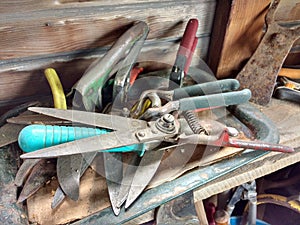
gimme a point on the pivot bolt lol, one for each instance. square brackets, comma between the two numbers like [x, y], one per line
[166, 123]
[168, 118]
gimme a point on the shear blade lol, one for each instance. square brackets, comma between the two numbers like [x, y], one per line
[127, 179]
[146, 170]
[59, 195]
[113, 173]
[43, 171]
[68, 174]
[112, 122]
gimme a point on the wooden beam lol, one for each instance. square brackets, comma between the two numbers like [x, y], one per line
[237, 31]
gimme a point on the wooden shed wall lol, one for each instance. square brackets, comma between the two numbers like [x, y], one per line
[68, 35]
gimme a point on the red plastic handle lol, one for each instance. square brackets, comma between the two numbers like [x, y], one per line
[189, 59]
[188, 38]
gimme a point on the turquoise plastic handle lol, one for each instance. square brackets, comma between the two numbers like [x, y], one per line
[35, 137]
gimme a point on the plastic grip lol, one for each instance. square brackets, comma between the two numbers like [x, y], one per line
[56, 88]
[206, 88]
[35, 137]
[215, 100]
[189, 35]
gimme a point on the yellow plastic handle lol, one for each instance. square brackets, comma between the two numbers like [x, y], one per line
[59, 97]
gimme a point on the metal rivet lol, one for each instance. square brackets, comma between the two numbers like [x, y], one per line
[141, 134]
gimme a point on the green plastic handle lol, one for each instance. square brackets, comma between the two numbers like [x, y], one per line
[206, 88]
[215, 100]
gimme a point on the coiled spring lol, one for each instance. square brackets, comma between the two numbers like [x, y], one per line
[193, 122]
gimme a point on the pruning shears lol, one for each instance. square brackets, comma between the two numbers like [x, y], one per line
[117, 131]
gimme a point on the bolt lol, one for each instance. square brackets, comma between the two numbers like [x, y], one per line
[166, 123]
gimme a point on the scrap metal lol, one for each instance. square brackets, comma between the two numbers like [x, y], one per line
[260, 72]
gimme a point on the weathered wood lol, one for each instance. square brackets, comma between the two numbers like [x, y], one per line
[68, 35]
[243, 22]
[52, 28]
[261, 167]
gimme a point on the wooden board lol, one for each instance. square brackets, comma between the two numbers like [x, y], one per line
[237, 31]
[34, 28]
[236, 34]
[261, 167]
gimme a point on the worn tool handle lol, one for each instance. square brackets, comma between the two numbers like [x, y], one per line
[257, 145]
[35, 137]
[285, 93]
[59, 97]
[188, 38]
[215, 100]
[184, 54]
[206, 88]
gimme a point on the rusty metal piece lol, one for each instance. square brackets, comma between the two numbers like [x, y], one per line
[260, 72]
[42, 172]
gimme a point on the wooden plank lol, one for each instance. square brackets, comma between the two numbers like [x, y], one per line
[21, 6]
[286, 117]
[230, 48]
[64, 27]
[261, 167]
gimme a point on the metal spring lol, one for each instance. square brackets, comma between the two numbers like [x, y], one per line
[193, 122]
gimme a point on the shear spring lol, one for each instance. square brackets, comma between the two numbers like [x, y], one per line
[193, 122]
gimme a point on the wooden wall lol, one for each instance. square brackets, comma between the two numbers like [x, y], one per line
[238, 28]
[68, 35]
